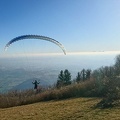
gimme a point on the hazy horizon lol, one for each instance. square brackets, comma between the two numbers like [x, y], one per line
[16, 70]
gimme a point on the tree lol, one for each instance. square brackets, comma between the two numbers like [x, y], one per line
[88, 73]
[78, 77]
[67, 77]
[61, 76]
[117, 65]
[83, 74]
[60, 81]
[64, 78]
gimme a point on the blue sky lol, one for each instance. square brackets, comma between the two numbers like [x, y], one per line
[80, 25]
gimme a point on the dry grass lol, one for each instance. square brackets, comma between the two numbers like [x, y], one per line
[16, 98]
[71, 109]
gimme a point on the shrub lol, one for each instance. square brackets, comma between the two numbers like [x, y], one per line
[15, 98]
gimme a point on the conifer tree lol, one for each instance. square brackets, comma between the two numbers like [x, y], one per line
[88, 73]
[78, 77]
[64, 78]
[67, 77]
[83, 73]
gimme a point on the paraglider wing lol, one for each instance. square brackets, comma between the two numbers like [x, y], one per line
[35, 37]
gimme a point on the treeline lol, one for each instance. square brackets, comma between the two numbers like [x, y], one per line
[64, 78]
[106, 82]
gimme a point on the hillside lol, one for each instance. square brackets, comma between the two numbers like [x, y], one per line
[71, 109]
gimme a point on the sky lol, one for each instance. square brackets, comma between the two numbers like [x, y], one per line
[80, 25]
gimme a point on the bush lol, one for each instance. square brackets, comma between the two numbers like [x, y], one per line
[112, 90]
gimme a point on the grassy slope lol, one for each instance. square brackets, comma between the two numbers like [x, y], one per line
[71, 109]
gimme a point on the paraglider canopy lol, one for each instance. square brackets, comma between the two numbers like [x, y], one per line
[23, 37]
